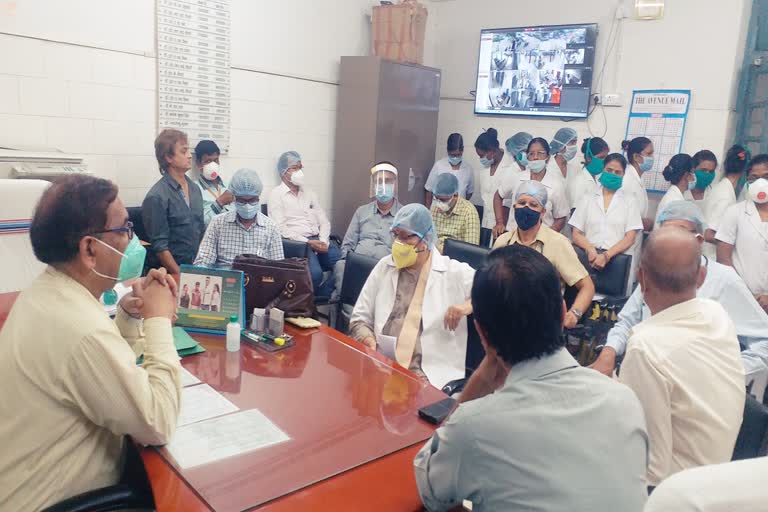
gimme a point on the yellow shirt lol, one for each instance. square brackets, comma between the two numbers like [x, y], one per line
[71, 390]
[461, 223]
[556, 248]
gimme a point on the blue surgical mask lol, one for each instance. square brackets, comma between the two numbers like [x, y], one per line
[647, 164]
[570, 152]
[456, 160]
[247, 211]
[131, 263]
[386, 193]
[486, 162]
[536, 166]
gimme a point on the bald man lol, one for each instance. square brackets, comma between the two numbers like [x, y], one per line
[683, 362]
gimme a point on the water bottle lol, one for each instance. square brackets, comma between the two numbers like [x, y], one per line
[233, 334]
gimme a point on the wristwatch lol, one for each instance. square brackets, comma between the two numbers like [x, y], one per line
[577, 312]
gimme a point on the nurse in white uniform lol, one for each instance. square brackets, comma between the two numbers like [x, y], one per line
[564, 148]
[743, 232]
[494, 167]
[542, 170]
[679, 174]
[584, 182]
[608, 222]
[455, 164]
[640, 158]
[517, 157]
[723, 194]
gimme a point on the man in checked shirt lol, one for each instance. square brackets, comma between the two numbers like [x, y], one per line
[242, 231]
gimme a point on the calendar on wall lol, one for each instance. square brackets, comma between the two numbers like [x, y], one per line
[193, 73]
[659, 115]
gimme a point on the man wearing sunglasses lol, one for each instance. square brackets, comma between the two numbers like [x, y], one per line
[73, 390]
[242, 231]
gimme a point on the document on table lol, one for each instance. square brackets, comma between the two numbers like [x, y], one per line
[201, 402]
[226, 436]
[187, 379]
[386, 345]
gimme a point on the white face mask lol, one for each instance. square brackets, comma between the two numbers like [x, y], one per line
[570, 152]
[443, 206]
[536, 166]
[297, 178]
[758, 191]
[211, 171]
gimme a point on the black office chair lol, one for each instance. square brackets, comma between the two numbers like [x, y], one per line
[264, 209]
[753, 436]
[480, 209]
[134, 215]
[613, 280]
[475, 257]
[486, 236]
[357, 268]
[132, 493]
[294, 249]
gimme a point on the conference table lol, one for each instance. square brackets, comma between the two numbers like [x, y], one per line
[351, 416]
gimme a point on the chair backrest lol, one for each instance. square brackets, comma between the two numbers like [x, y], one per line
[18, 199]
[480, 209]
[614, 278]
[357, 268]
[134, 215]
[294, 249]
[264, 209]
[475, 350]
[471, 254]
[753, 436]
[486, 236]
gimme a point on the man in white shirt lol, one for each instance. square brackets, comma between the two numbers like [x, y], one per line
[733, 486]
[721, 284]
[72, 388]
[534, 431]
[683, 363]
[299, 216]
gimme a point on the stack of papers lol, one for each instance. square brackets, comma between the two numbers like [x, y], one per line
[185, 345]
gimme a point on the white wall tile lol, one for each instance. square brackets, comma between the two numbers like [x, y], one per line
[18, 130]
[93, 101]
[9, 94]
[68, 62]
[21, 56]
[70, 135]
[135, 104]
[145, 73]
[43, 96]
[113, 68]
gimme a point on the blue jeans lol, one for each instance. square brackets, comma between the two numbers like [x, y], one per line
[319, 263]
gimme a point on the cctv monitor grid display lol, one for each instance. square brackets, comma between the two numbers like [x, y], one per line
[545, 71]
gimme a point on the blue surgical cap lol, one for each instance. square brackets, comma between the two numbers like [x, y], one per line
[416, 219]
[287, 159]
[534, 189]
[684, 210]
[518, 142]
[562, 137]
[245, 182]
[446, 184]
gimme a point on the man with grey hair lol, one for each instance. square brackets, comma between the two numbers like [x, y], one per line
[242, 231]
[721, 284]
[683, 363]
[298, 214]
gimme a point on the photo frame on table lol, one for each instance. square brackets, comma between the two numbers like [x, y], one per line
[208, 297]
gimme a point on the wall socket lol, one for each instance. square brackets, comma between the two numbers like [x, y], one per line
[610, 100]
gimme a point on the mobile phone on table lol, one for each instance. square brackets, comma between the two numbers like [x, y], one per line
[435, 413]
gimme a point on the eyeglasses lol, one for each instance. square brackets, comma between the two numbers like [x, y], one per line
[240, 200]
[538, 154]
[128, 228]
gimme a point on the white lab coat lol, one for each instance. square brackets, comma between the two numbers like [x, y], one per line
[741, 227]
[605, 228]
[634, 185]
[580, 184]
[721, 196]
[449, 283]
[557, 203]
[673, 194]
[488, 187]
[465, 174]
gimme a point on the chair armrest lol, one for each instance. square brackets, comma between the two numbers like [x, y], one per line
[454, 386]
[116, 497]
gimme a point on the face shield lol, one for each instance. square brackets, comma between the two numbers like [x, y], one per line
[383, 182]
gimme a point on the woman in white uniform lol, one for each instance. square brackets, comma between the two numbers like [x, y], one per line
[584, 183]
[607, 223]
[455, 164]
[564, 147]
[743, 232]
[491, 157]
[414, 304]
[640, 159]
[679, 174]
[723, 194]
[509, 178]
[704, 166]
[557, 208]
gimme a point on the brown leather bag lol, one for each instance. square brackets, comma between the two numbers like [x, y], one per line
[284, 284]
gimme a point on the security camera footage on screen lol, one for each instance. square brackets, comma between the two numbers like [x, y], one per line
[536, 71]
